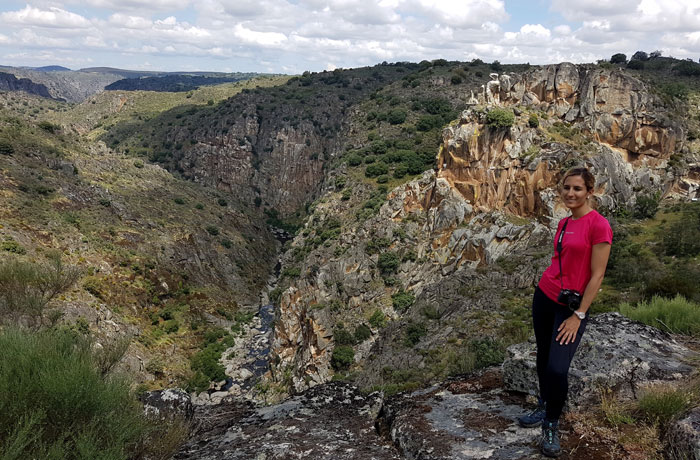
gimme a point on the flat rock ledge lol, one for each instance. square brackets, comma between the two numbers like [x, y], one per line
[331, 421]
[473, 418]
[615, 353]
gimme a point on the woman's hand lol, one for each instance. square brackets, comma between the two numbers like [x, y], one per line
[568, 329]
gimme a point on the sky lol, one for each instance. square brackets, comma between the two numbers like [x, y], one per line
[291, 36]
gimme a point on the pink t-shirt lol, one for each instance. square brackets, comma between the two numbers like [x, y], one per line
[577, 246]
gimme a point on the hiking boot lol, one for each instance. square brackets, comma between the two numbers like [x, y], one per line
[550, 438]
[534, 418]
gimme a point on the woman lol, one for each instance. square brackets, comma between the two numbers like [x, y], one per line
[560, 303]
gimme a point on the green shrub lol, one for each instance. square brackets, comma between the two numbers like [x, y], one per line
[383, 179]
[635, 65]
[206, 362]
[222, 202]
[62, 404]
[342, 357]
[212, 230]
[661, 406]
[12, 246]
[388, 262]
[683, 237]
[533, 121]
[343, 337]
[6, 148]
[500, 118]
[402, 300]
[179, 200]
[678, 314]
[26, 287]
[362, 333]
[488, 352]
[378, 319]
[414, 332]
[396, 116]
[376, 169]
[646, 207]
[49, 127]
[291, 272]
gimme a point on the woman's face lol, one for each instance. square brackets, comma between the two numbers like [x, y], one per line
[574, 192]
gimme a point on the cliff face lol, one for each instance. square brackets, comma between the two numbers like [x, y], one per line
[477, 231]
[273, 145]
[9, 82]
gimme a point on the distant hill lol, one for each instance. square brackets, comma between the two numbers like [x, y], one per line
[173, 83]
[52, 68]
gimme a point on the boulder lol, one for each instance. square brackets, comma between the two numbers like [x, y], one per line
[165, 404]
[615, 353]
[683, 437]
[331, 421]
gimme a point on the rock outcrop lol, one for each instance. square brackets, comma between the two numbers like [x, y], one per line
[615, 353]
[617, 108]
[333, 422]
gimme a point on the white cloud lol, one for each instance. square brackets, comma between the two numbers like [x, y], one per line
[53, 17]
[260, 38]
[146, 5]
[130, 22]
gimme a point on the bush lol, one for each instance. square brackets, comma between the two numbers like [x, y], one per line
[678, 314]
[533, 121]
[362, 333]
[618, 58]
[646, 207]
[354, 160]
[635, 65]
[6, 148]
[388, 262]
[383, 179]
[49, 127]
[414, 332]
[343, 337]
[376, 169]
[683, 237]
[488, 352]
[62, 404]
[402, 300]
[12, 246]
[343, 356]
[396, 116]
[500, 118]
[26, 288]
[378, 319]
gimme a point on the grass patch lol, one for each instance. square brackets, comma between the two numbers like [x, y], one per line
[676, 315]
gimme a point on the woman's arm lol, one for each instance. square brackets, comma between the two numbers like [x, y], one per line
[599, 261]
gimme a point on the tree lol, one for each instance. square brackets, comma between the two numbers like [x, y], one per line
[655, 54]
[640, 56]
[618, 58]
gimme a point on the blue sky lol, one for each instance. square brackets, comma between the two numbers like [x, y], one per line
[290, 36]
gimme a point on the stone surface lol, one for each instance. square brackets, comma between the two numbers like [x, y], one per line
[165, 404]
[683, 437]
[615, 353]
[473, 418]
[333, 421]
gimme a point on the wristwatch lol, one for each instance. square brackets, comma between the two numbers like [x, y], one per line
[581, 315]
